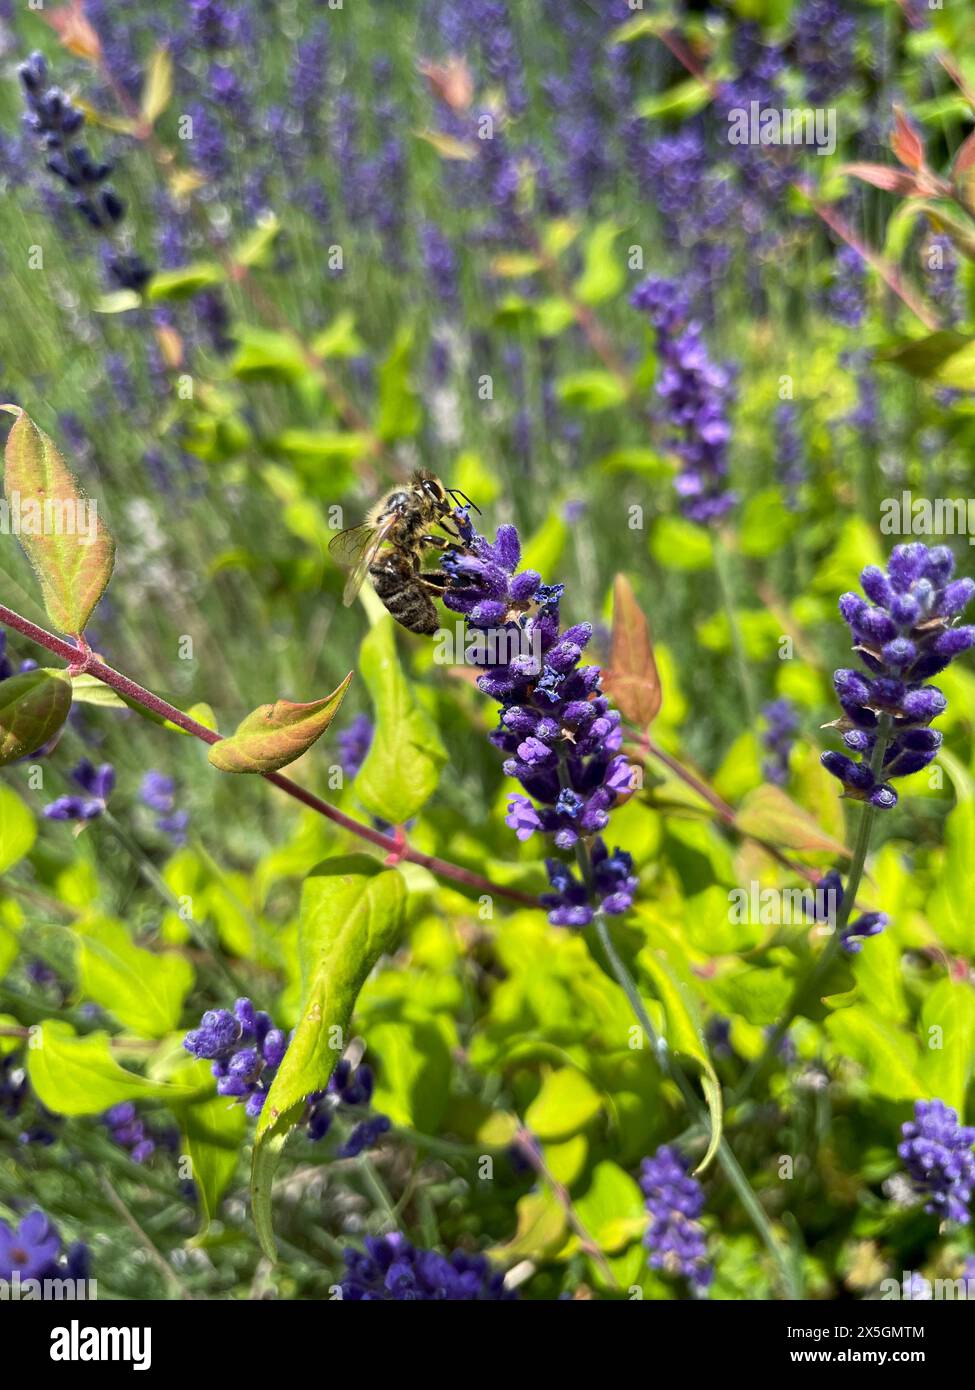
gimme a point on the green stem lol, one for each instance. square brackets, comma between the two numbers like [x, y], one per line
[726, 1157]
[806, 987]
[722, 570]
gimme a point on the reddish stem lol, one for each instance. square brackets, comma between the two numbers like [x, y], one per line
[80, 660]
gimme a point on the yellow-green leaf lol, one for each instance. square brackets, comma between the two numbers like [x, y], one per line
[71, 551]
[158, 87]
[272, 736]
[18, 829]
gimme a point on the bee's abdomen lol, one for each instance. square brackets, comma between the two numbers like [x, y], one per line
[396, 584]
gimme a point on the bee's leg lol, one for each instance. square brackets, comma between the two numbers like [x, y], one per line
[436, 581]
[438, 542]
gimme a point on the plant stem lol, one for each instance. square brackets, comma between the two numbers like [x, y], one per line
[81, 660]
[806, 987]
[725, 1155]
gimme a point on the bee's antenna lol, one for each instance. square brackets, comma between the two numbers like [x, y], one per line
[456, 492]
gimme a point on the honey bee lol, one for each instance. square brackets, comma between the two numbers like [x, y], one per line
[390, 544]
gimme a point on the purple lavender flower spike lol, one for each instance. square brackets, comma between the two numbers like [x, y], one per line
[903, 633]
[696, 396]
[938, 1156]
[675, 1237]
[97, 784]
[782, 725]
[392, 1270]
[824, 903]
[561, 738]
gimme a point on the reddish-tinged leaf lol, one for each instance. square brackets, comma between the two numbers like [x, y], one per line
[632, 682]
[32, 709]
[906, 142]
[273, 736]
[450, 82]
[768, 814]
[74, 31]
[58, 526]
[965, 158]
[883, 176]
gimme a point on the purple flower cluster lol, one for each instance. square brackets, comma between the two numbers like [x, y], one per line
[824, 904]
[902, 635]
[675, 1237]
[158, 792]
[561, 737]
[937, 1152]
[52, 117]
[127, 1129]
[349, 1087]
[846, 301]
[245, 1048]
[696, 397]
[96, 783]
[354, 744]
[824, 39]
[782, 725]
[790, 455]
[33, 1250]
[392, 1270]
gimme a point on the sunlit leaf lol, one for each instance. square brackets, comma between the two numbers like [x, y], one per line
[272, 736]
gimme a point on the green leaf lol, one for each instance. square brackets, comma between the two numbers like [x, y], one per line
[766, 524]
[339, 339]
[684, 99]
[89, 690]
[214, 1133]
[399, 405]
[158, 86]
[677, 544]
[264, 354]
[947, 1029]
[256, 246]
[642, 26]
[685, 1036]
[143, 990]
[888, 1056]
[272, 736]
[322, 446]
[184, 282]
[351, 914]
[945, 358]
[414, 1078]
[949, 902]
[70, 550]
[566, 1104]
[612, 1208]
[591, 390]
[18, 829]
[540, 1230]
[74, 1075]
[603, 273]
[33, 708]
[402, 767]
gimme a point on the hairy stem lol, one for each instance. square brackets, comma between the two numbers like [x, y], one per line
[80, 659]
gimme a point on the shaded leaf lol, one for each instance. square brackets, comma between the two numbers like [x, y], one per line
[33, 707]
[272, 736]
[399, 405]
[71, 552]
[885, 176]
[769, 814]
[632, 681]
[214, 1134]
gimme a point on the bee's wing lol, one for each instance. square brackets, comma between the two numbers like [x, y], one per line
[356, 549]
